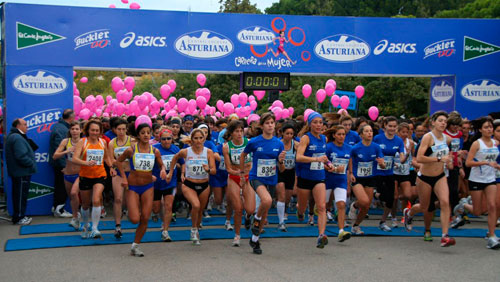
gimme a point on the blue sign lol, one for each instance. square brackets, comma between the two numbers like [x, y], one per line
[352, 98]
[442, 94]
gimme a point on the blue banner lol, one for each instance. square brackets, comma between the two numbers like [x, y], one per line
[442, 94]
[352, 98]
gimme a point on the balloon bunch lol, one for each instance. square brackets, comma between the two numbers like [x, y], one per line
[133, 6]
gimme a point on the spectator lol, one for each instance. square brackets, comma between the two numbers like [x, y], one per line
[21, 164]
[59, 132]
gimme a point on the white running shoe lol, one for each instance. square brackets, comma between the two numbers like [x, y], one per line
[282, 227]
[197, 239]
[493, 243]
[310, 221]
[329, 216]
[228, 226]
[24, 221]
[356, 230]
[205, 214]
[353, 212]
[394, 223]
[383, 226]
[75, 223]
[136, 252]
[236, 241]
[165, 237]
[85, 231]
[95, 234]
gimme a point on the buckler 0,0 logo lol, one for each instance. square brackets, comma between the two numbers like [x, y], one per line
[42, 121]
[95, 39]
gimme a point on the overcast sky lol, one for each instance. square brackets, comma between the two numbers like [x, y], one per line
[177, 5]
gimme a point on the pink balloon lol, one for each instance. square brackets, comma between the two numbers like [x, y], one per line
[132, 108]
[142, 101]
[277, 103]
[373, 113]
[182, 104]
[155, 107]
[235, 100]
[119, 95]
[307, 113]
[330, 89]
[285, 113]
[117, 84]
[252, 118]
[291, 110]
[76, 92]
[125, 1]
[359, 91]
[335, 101]
[119, 109]
[259, 94]
[135, 6]
[306, 90]
[172, 85]
[98, 112]
[108, 99]
[192, 105]
[129, 83]
[89, 101]
[112, 6]
[218, 114]
[277, 112]
[85, 114]
[344, 102]
[228, 109]
[84, 80]
[105, 114]
[74, 73]
[342, 112]
[331, 81]
[201, 79]
[201, 102]
[220, 105]
[143, 119]
[172, 102]
[251, 98]
[320, 95]
[77, 104]
[99, 100]
[165, 91]
[253, 105]
[243, 98]
[127, 96]
[205, 92]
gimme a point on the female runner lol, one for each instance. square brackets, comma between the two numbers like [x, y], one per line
[433, 155]
[200, 163]
[281, 47]
[67, 148]
[266, 150]
[311, 160]
[286, 179]
[142, 158]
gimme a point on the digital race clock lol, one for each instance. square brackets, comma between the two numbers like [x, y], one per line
[264, 81]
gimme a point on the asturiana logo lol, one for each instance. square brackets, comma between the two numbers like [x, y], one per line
[482, 90]
[342, 48]
[96, 38]
[203, 44]
[441, 48]
[42, 119]
[256, 35]
[442, 92]
[40, 82]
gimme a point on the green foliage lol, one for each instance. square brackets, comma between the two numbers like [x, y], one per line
[476, 9]
[238, 6]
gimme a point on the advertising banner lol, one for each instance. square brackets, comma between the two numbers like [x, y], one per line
[352, 98]
[442, 94]
[477, 95]
[37, 94]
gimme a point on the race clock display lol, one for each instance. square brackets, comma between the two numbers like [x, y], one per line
[264, 81]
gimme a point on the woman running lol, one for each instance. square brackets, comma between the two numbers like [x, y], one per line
[311, 160]
[339, 154]
[365, 156]
[165, 190]
[116, 148]
[142, 158]
[266, 150]
[392, 147]
[200, 163]
[90, 153]
[67, 148]
[286, 179]
[433, 155]
[237, 184]
[281, 47]
[482, 159]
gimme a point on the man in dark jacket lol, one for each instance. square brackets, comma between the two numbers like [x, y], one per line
[21, 164]
[59, 132]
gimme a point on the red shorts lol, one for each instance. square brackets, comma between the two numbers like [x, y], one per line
[281, 49]
[236, 178]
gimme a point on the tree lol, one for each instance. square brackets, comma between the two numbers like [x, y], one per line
[476, 9]
[238, 6]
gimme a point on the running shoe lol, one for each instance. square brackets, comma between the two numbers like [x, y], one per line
[384, 227]
[205, 214]
[353, 212]
[85, 232]
[136, 252]
[408, 219]
[248, 221]
[256, 227]
[75, 223]
[457, 222]
[493, 243]
[193, 234]
[322, 241]
[196, 241]
[154, 217]
[118, 232]
[282, 227]
[188, 216]
[459, 209]
[165, 237]
[329, 216]
[228, 226]
[236, 241]
[394, 223]
[356, 230]
[103, 212]
[344, 235]
[310, 221]
[447, 241]
[24, 221]
[256, 247]
[427, 236]
[221, 209]
[95, 234]
[300, 217]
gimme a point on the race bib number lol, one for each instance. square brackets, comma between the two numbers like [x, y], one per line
[195, 168]
[387, 162]
[144, 162]
[222, 164]
[490, 154]
[167, 159]
[266, 168]
[365, 169]
[69, 156]
[289, 161]
[235, 155]
[317, 165]
[96, 155]
[440, 150]
[342, 163]
[119, 151]
[455, 145]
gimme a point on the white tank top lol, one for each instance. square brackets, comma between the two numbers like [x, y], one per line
[194, 164]
[440, 147]
[484, 173]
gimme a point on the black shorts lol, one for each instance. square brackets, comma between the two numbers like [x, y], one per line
[287, 177]
[162, 193]
[477, 186]
[256, 183]
[413, 177]
[88, 183]
[308, 184]
[402, 178]
[198, 187]
[365, 181]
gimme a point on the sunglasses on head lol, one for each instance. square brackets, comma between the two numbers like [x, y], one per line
[166, 138]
